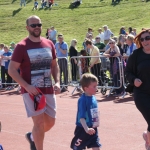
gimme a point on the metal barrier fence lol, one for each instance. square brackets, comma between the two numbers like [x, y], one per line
[110, 72]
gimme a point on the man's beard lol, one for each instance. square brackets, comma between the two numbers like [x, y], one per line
[35, 34]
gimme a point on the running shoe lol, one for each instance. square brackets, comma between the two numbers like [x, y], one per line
[28, 137]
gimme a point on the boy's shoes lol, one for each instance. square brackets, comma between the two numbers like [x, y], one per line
[32, 145]
[145, 139]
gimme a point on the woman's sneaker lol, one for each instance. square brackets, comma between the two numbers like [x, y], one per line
[145, 139]
[28, 137]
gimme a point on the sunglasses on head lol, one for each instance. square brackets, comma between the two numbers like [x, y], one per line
[147, 38]
[111, 43]
[36, 101]
[35, 25]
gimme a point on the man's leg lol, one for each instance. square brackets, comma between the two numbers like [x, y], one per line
[38, 131]
[48, 122]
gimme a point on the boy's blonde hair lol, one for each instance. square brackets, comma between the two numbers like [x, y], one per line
[87, 79]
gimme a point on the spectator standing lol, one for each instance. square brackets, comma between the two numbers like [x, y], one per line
[130, 30]
[112, 53]
[87, 120]
[22, 2]
[95, 62]
[138, 74]
[90, 32]
[12, 46]
[2, 65]
[122, 44]
[73, 52]
[107, 34]
[131, 46]
[99, 44]
[101, 35]
[35, 7]
[134, 32]
[6, 57]
[36, 58]
[84, 62]
[122, 31]
[62, 54]
[52, 35]
[47, 33]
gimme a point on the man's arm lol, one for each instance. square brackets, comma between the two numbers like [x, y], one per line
[56, 75]
[13, 72]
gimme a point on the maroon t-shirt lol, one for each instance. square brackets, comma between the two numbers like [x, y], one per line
[35, 59]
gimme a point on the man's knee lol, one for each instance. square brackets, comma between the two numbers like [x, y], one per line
[38, 122]
[49, 122]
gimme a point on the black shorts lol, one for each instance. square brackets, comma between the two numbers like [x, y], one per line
[82, 140]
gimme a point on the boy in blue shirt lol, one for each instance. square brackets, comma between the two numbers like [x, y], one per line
[87, 120]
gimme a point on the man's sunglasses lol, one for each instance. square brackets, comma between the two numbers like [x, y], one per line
[35, 25]
[147, 38]
[36, 102]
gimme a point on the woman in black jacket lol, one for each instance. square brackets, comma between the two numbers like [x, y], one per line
[138, 74]
[73, 52]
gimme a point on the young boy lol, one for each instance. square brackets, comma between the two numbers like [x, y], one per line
[87, 120]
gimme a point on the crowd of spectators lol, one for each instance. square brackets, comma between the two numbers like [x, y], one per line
[5, 56]
[103, 43]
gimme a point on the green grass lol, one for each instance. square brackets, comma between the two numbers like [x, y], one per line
[73, 23]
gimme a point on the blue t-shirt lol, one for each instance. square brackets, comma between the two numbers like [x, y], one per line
[7, 61]
[35, 3]
[88, 109]
[1, 148]
[63, 46]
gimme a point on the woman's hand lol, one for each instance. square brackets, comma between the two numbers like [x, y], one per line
[137, 82]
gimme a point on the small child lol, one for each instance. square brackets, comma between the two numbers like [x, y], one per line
[35, 5]
[87, 120]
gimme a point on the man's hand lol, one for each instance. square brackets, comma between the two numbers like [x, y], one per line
[90, 131]
[57, 88]
[31, 90]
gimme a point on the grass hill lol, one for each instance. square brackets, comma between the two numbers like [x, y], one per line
[73, 23]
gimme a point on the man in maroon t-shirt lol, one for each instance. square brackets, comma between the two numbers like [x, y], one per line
[36, 58]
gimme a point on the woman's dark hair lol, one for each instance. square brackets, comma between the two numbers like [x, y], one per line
[88, 41]
[120, 32]
[137, 38]
[130, 29]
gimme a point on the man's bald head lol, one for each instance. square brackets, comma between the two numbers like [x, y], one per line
[32, 17]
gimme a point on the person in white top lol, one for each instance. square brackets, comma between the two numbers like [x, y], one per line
[131, 46]
[107, 34]
[101, 35]
[2, 65]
